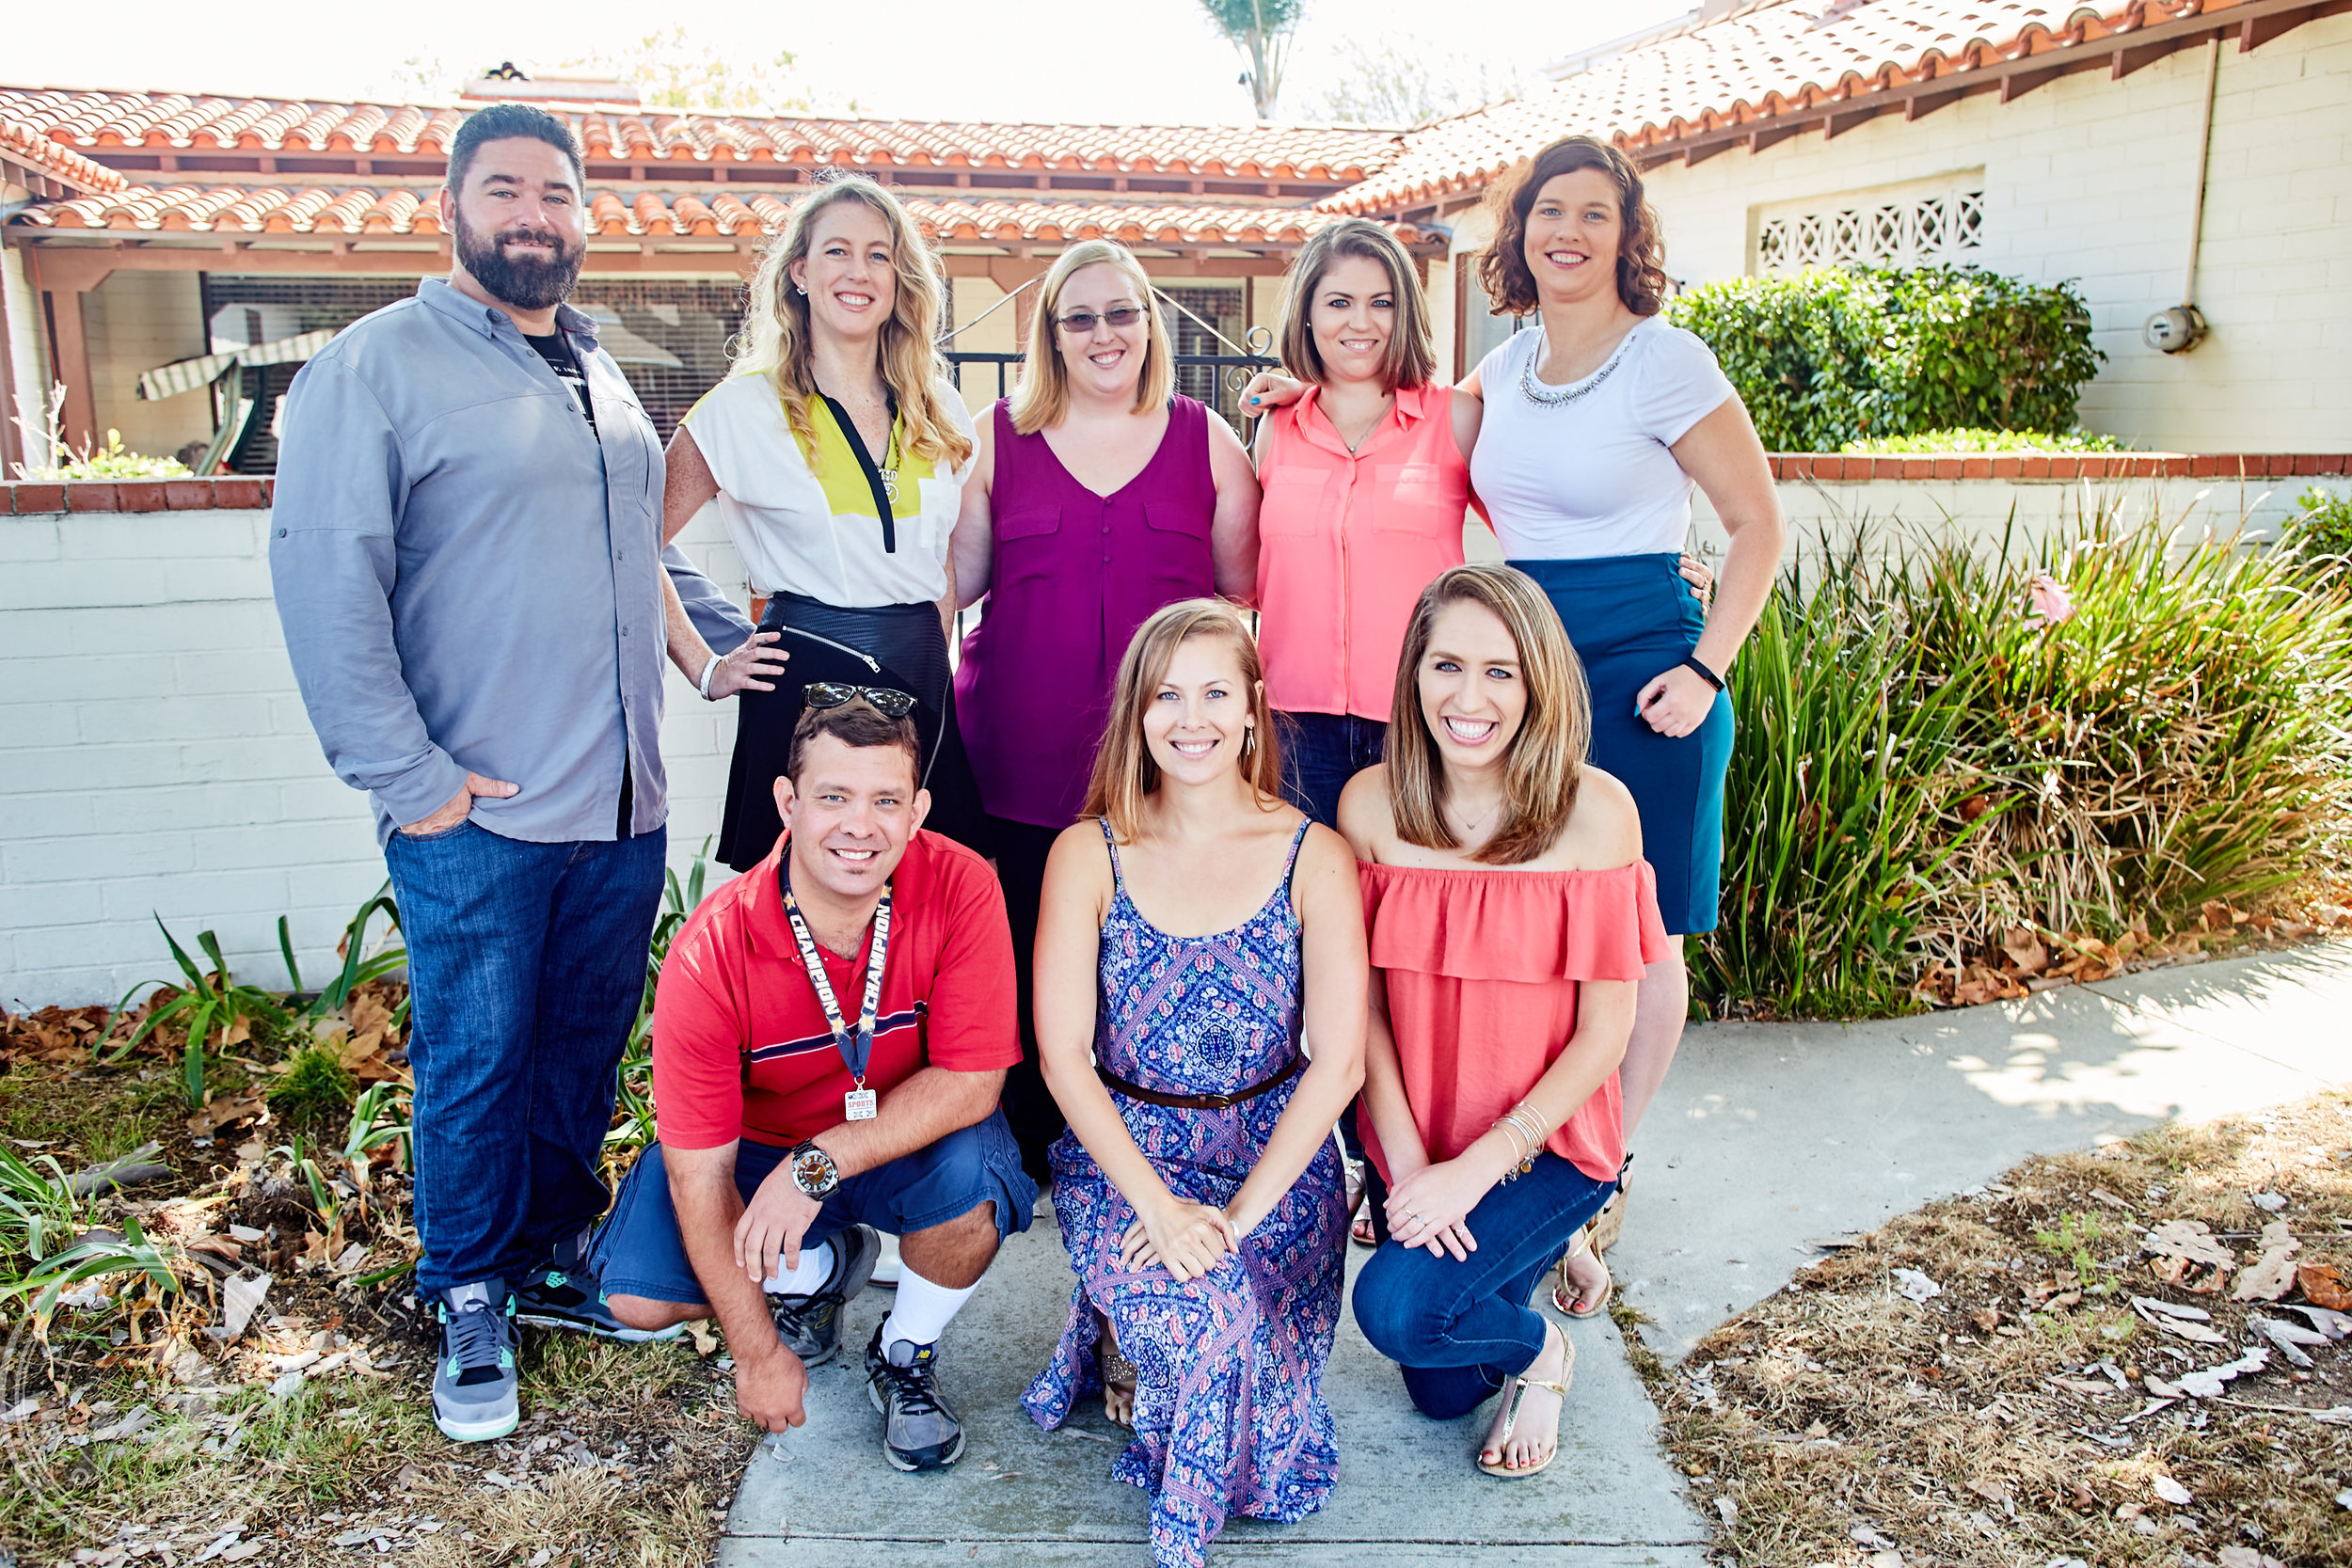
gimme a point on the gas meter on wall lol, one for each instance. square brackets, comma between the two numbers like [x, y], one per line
[2175, 331]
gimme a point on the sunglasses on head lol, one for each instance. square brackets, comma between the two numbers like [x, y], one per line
[882, 699]
[1079, 323]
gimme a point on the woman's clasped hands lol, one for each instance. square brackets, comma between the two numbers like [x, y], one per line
[1183, 1237]
[1430, 1207]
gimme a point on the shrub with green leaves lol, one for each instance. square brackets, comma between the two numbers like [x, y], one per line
[1990, 440]
[2321, 529]
[1925, 761]
[1849, 354]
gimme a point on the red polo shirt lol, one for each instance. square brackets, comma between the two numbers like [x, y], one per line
[734, 979]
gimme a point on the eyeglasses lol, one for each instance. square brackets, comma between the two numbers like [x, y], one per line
[882, 699]
[1079, 323]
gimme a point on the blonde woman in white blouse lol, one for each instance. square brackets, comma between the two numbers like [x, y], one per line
[836, 453]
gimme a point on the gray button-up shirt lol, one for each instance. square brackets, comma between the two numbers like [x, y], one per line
[468, 574]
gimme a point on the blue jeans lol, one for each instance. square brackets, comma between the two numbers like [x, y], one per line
[1459, 1330]
[1321, 751]
[526, 969]
[641, 1251]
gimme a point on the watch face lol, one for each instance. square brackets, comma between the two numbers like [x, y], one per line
[814, 1173]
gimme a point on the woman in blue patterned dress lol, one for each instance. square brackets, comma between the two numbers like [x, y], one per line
[1199, 1188]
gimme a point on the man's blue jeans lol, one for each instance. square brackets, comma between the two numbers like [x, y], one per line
[1459, 1329]
[526, 969]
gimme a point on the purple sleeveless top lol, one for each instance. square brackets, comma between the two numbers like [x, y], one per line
[1075, 574]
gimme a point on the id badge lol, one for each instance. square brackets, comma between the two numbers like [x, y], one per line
[858, 1105]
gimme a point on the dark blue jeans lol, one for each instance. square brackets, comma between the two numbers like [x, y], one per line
[525, 968]
[1321, 751]
[1458, 1330]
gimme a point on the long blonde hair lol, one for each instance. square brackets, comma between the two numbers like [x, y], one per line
[1546, 762]
[775, 340]
[1124, 773]
[1411, 359]
[1044, 396]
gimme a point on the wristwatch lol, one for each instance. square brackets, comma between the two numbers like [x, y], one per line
[813, 1170]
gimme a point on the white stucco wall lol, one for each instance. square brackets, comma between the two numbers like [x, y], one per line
[2095, 179]
[136, 322]
[155, 758]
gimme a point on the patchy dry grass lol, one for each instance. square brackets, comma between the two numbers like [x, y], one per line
[137, 1429]
[2026, 1414]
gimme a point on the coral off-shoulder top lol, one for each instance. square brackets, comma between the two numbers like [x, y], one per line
[1483, 969]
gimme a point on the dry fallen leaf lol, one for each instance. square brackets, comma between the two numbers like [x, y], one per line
[2272, 1275]
[2190, 1239]
[2173, 1492]
[2324, 1287]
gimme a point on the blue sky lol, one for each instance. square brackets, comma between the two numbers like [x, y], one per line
[1132, 61]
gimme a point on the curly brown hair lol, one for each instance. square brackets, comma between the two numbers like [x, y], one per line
[1503, 270]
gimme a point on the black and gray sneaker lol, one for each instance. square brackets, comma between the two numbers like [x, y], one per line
[919, 1431]
[566, 1294]
[473, 1378]
[810, 1325]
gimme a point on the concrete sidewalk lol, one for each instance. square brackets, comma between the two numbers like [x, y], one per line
[1766, 1136]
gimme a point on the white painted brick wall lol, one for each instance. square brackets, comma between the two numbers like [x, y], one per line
[2095, 179]
[155, 758]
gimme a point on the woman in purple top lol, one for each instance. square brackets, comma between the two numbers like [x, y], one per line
[1097, 496]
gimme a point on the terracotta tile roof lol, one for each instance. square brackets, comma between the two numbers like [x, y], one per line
[319, 210]
[1769, 58]
[26, 144]
[96, 120]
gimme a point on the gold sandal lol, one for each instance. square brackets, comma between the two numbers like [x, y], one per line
[1564, 1295]
[1511, 1392]
[1119, 1375]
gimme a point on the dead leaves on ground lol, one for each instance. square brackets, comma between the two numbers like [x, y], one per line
[2026, 959]
[2123, 1362]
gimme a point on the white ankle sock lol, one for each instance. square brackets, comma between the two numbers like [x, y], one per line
[816, 1263]
[924, 1309]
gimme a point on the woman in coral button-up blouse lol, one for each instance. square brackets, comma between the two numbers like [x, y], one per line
[1366, 486]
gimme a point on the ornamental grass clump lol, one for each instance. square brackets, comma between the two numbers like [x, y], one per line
[1944, 748]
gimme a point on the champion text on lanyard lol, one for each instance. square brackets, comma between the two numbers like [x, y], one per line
[856, 1047]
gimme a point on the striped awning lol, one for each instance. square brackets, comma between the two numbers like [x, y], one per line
[187, 375]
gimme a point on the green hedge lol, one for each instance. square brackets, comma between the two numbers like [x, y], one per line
[1853, 353]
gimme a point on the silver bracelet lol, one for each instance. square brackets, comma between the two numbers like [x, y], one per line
[704, 685]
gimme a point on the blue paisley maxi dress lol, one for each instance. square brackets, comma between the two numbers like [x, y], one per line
[1229, 1413]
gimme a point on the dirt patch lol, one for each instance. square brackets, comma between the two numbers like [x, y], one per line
[2058, 1369]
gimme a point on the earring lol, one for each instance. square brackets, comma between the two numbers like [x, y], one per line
[799, 288]
[1248, 739]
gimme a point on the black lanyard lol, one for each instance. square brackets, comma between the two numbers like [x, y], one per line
[884, 483]
[857, 1048]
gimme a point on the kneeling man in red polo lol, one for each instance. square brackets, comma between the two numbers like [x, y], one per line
[829, 1037]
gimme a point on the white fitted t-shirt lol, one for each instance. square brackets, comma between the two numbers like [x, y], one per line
[797, 538]
[1593, 477]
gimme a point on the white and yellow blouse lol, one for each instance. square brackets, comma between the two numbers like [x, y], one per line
[813, 529]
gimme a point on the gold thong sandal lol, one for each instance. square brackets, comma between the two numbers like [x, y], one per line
[1118, 1378]
[1511, 1392]
[1564, 1295]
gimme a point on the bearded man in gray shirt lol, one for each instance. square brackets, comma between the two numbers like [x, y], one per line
[468, 557]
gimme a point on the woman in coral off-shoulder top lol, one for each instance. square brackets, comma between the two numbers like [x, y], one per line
[1509, 913]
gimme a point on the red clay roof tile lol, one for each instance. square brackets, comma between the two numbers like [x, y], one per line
[1768, 59]
[318, 210]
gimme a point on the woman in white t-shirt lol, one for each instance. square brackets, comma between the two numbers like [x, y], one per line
[836, 453]
[1592, 430]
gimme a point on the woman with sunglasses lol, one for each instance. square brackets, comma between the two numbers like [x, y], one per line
[1097, 496]
[835, 452]
[1194, 928]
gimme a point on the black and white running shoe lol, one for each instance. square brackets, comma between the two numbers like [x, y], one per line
[919, 1431]
[810, 1325]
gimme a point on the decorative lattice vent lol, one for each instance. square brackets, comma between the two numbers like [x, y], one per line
[1907, 228]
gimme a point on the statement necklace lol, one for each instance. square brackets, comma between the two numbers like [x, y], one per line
[890, 464]
[1559, 397]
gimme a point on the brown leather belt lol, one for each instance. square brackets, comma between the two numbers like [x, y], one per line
[1198, 1101]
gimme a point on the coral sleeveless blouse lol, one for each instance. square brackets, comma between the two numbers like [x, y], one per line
[1346, 542]
[1075, 574]
[1483, 969]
